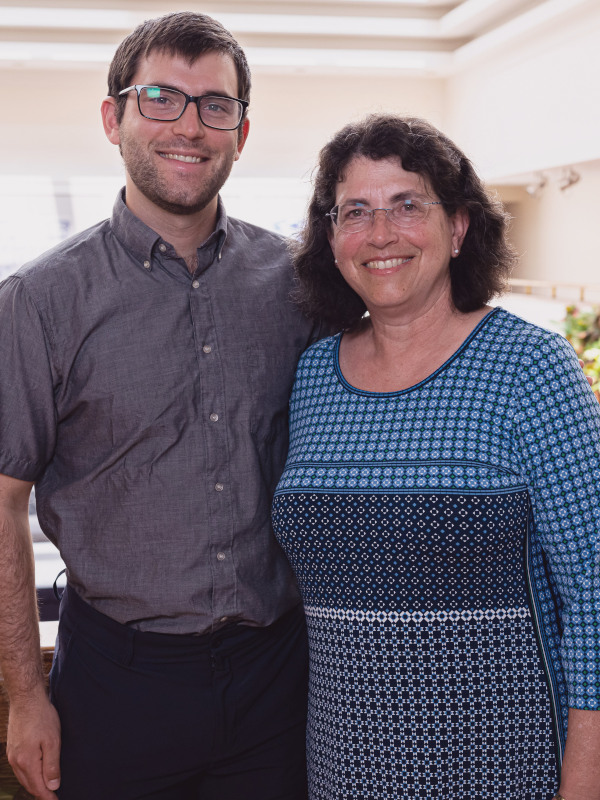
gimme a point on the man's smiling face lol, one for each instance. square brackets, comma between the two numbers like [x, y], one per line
[179, 166]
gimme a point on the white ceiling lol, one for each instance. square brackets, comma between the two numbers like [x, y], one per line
[419, 37]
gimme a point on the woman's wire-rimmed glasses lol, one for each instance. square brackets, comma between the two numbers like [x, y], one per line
[168, 105]
[352, 217]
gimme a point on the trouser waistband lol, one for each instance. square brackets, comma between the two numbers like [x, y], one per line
[119, 638]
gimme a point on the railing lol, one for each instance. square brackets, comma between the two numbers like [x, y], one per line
[567, 291]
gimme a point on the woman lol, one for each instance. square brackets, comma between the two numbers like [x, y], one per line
[439, 502]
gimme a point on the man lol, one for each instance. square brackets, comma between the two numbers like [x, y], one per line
[145, 371]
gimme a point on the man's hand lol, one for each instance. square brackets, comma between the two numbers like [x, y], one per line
[33, 746]
[589, 379]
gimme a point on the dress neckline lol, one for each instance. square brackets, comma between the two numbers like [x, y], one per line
[366, 393]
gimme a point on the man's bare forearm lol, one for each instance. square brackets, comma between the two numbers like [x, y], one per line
[20, 658]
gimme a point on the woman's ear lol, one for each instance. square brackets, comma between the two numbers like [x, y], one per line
[331, 241]
[460, 226]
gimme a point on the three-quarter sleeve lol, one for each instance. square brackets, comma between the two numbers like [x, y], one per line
[558, 433]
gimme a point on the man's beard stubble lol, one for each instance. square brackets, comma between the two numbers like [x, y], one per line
[175, 199]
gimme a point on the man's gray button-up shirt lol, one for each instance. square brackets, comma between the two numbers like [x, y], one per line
[150, 408]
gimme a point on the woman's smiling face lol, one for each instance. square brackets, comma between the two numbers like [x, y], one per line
[395, 269]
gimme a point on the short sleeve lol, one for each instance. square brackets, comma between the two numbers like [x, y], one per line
[27, 408]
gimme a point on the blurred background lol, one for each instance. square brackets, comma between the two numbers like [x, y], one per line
[515, 83]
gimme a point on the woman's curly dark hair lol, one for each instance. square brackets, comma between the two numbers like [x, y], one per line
[477, 274]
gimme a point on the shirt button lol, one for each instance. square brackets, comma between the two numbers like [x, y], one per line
[219, 487]
[162, 248]
[223, 619]
[207, 348]
[221, 556]
[147, 264]
[214, 417]
[195, 284]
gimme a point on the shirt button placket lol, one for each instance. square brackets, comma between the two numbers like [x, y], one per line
[214, 429]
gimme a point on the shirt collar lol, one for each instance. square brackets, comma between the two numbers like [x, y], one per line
[143, 242]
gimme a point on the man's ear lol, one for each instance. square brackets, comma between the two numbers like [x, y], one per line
[108, 109]
[242, 137]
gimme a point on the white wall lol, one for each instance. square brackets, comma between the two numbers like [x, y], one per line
[558, 233]
[292, 116]
[55, 127]
[534, 106]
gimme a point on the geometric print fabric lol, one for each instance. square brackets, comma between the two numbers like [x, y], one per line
[425, 673]
[428, 710]
[410, 551]
[405, 517]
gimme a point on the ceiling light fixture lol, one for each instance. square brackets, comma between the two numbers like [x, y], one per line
[534, 189]
[568, 178]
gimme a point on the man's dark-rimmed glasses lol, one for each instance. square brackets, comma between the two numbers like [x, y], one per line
[167, 105]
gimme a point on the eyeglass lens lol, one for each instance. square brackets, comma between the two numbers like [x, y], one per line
[349, 216]
[168, 104]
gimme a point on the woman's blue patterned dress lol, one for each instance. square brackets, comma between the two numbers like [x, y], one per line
[445, 540]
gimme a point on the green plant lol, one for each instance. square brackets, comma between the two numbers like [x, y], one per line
[591, 367]
[582, 328]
